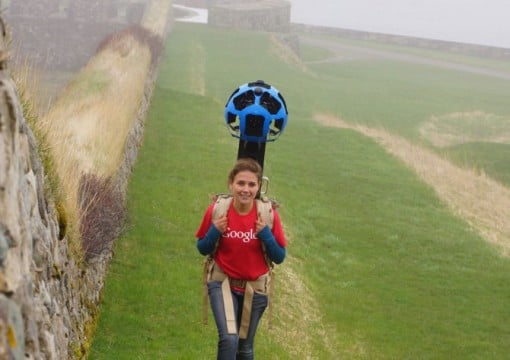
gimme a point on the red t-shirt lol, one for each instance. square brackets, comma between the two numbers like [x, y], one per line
[239, 252]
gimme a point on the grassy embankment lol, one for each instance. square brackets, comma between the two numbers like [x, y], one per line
[85, 131]
[378, 267]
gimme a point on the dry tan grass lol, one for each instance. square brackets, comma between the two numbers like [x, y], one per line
[88, 125]
[89, 122]
[28, 84]
[462, 127]
[155, 19]
[286, 54]
[197, 69]
[298, 322]
[481, 201]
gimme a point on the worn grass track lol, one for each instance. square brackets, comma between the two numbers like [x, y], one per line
[478, 199]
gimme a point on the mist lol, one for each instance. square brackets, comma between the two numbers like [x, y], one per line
[482, 22]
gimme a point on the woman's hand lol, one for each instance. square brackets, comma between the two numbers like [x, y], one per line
[259, 224]
[221, 223]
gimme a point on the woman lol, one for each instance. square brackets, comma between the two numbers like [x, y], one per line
[240, 242]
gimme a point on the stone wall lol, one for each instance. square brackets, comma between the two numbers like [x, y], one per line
[49, 301]
[34, 258]
[264, 15]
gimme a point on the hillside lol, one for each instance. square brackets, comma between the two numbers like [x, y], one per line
[380, 265]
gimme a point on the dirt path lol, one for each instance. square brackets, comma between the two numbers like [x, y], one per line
[359, 52]
[481, 201]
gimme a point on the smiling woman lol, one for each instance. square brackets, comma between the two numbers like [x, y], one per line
[241, 246]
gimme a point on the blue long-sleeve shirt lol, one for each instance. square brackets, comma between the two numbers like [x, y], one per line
[207, 244]
[274, 251]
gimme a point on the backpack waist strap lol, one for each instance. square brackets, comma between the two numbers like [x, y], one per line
[261, 285]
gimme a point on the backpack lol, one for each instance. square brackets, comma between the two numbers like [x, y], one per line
[265, 207]
[222, 203]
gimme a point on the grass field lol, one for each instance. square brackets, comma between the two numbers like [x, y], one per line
[378, 266]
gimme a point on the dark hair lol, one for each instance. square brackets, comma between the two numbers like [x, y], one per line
[246, 164]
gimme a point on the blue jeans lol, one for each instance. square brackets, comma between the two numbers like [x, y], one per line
[230, 347]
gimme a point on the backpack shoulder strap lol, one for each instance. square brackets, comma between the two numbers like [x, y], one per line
[221, 204]
[265, 207]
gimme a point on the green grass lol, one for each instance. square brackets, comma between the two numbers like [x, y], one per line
[394, 273]
[490, 158]
[167, 194]
[472, 60]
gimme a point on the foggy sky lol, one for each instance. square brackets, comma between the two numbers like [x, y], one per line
[484, 22]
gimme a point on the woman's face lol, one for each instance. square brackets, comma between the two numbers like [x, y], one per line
[244, 187]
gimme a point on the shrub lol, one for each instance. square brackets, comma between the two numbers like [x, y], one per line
[102, 211]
